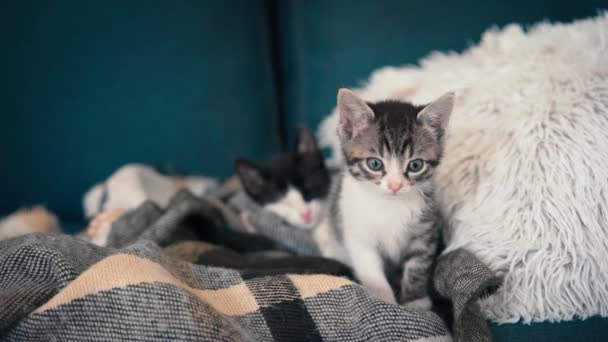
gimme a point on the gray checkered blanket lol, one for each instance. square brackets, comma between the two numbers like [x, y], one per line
[459, 276]
[155, 283]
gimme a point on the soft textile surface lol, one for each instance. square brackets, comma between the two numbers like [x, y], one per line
[183, 85]
[154, 282]
[133, 184]
[522, 181]
[459, 276]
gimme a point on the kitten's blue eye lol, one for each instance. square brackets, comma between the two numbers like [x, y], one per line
[375, 164]
[415, 165]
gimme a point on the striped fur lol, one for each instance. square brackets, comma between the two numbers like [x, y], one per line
[373, 225]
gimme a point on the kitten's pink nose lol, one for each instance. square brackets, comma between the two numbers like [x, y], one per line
[395, 186]
[306, 215]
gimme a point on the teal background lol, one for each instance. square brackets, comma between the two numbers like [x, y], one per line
[594, 329]
[88, 86]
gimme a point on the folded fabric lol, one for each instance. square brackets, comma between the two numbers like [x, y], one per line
[191, 225]
[462, 278]
[133, 184]
[59, 287]
[459, 276]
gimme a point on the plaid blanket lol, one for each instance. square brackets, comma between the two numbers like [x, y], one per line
[163, 277]
[460, 279]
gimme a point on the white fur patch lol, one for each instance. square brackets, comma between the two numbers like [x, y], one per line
[378, 219]
[292, 206]
[371, 221]
[523, 179]
[394, 174]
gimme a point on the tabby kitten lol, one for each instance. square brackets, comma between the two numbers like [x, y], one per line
[382, 212]
[293, 185]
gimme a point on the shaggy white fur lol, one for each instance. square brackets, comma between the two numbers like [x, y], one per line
[523, 181]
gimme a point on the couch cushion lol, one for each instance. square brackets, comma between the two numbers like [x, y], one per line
[88, 86]
[592, 329]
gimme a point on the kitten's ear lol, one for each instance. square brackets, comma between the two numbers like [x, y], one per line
[307, 150]
[251, 176]
[355, 114]
[306, 143]
[437, 114]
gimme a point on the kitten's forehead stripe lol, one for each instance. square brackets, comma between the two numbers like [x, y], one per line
[409, 150]
[396, 122]
[404, 144]
[384, 144]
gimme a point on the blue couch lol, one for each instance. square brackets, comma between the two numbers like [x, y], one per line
[189, 85]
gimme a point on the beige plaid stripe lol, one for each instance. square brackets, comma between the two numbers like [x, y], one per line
[122, 270]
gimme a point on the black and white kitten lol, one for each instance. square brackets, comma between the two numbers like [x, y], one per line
[381, 211]
[293, 185]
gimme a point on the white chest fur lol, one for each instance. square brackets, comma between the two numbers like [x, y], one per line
[374, 219]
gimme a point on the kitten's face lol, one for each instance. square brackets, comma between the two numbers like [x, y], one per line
[292, 185]
[392, 147]
[294, 208]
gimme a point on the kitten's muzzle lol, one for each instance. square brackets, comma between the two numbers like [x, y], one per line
[306, 215]
[395, 186]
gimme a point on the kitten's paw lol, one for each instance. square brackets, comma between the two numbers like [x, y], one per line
[99, 228]
[420, 304]
[39, 219]
[245, 221]
[385, 295]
